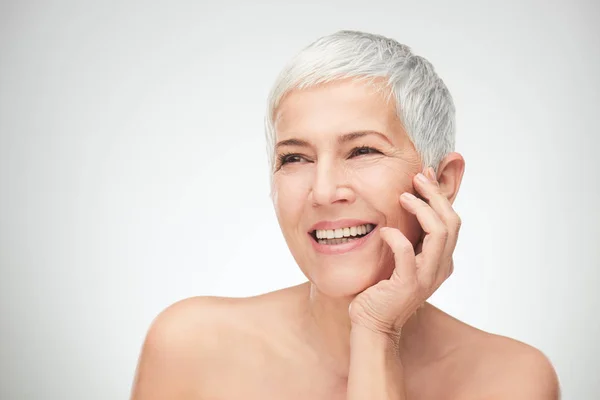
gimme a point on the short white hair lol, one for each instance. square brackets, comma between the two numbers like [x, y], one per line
[423, 102]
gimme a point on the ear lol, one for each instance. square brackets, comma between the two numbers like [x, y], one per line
[449, 175]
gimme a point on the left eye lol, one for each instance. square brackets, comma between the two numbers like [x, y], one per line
[361, 151]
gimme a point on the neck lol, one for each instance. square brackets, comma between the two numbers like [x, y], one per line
[327, 325]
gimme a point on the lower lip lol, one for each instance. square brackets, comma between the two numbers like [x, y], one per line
[340, 248]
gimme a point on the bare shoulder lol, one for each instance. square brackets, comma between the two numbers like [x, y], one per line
[194, 321]
[196, 339]
[509, 369]
[470, 363]
[178, 346]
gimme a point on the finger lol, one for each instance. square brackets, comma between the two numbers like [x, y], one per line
[404, 256]
[453, 223]
[435, 239]
[430, 190]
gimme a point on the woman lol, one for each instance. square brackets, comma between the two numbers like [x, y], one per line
[361, 136]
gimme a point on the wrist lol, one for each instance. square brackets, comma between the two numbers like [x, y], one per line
[389, 342]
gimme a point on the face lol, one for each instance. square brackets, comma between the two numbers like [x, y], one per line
[342, 161]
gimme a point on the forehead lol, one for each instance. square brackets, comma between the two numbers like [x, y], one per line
[335, 108]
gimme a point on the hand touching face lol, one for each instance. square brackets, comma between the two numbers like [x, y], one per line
[418, 273]
[343, 159]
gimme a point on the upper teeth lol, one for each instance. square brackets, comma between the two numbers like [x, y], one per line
[344, 232]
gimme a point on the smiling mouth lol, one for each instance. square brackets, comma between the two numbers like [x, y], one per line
[341, 235]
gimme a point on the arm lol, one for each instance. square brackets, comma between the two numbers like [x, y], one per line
[379, 312]
[375, 368]
[159, 373]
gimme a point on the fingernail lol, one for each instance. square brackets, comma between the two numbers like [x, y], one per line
[408, 196]
[422, 178]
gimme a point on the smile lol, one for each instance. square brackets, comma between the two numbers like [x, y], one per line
[341, 235]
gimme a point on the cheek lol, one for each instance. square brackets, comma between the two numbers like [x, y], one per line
[380, 185]
[289, 195]
[382, 182]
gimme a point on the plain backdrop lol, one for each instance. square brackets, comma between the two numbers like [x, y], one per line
[133, 172]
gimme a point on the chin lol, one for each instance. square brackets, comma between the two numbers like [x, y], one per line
[347, 280]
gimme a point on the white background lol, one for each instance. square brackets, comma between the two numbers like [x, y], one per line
[133, 172]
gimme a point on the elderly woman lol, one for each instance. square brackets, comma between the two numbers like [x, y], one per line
[361, 138]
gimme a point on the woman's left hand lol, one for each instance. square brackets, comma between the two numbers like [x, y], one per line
[387, 305]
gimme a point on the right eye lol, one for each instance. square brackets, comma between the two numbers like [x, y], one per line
[290, 158]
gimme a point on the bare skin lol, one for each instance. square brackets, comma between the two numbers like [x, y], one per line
[343, 156]
[265, 347]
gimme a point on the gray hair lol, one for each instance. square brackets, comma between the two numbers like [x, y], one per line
[423, 102]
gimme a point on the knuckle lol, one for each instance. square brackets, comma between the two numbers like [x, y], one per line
[448, 270]
[443, 233]
[456, 221]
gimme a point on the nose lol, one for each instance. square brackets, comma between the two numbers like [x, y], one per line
[330, 185]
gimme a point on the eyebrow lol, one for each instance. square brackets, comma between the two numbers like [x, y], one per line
[345, 138]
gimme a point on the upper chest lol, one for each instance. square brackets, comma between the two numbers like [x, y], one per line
[279, 381]
[259, 376]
